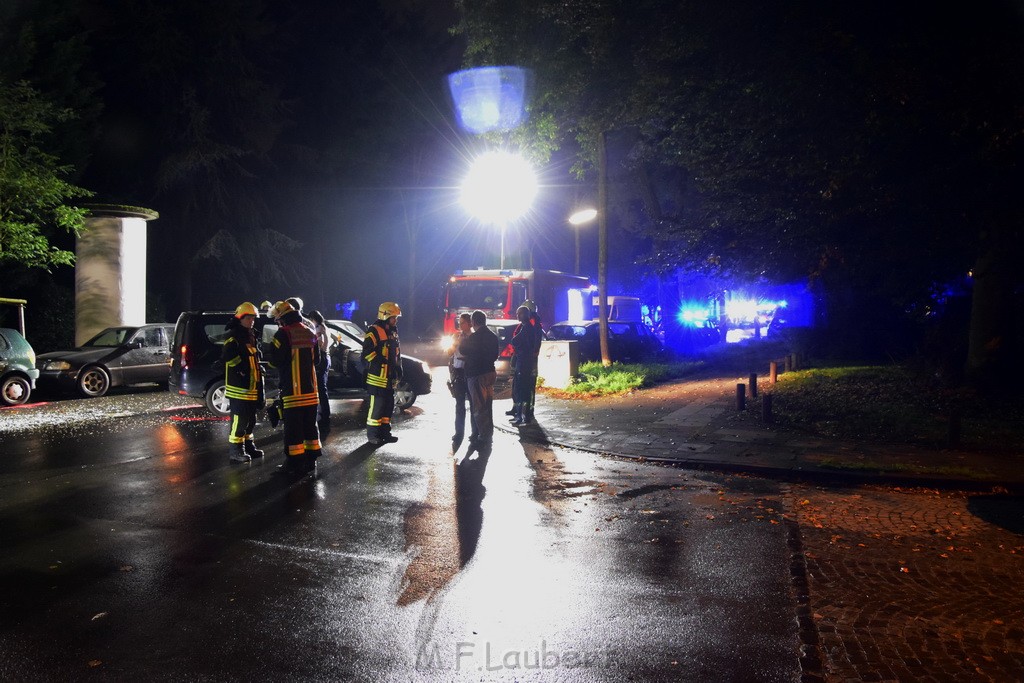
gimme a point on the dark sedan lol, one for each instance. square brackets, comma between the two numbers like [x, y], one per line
[116, 356]
[627, 341]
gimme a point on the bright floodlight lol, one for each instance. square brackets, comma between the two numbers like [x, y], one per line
[583, 216]
[500, 187]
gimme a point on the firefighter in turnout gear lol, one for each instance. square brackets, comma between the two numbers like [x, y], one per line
[294, 353]
[383, 358]
[243, 382]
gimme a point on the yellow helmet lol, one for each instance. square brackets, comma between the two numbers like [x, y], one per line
[279, 309]
[244, 309]
[265, 306]
[388, 309]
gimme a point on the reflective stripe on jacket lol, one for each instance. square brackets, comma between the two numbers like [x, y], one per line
[243, 376]
[383, 357]
[294, 355]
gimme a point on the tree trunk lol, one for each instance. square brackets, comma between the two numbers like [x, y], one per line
[992, 347]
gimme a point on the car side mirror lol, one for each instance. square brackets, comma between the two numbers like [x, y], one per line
[137, 344]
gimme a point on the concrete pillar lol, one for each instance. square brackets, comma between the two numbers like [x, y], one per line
[110, 269]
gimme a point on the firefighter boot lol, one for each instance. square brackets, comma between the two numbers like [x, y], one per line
[238, 453]
[309, 461]
[251, 450]
[514, 411]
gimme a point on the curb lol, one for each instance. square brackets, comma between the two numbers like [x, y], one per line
[815, 476]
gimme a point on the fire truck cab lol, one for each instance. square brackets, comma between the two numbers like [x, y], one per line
[498, 293]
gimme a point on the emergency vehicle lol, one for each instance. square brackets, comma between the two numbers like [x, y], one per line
[498, 293]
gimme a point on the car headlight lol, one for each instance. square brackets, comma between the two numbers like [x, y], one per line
[57, 365]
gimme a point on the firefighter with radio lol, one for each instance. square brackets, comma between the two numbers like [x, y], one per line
[243, 382]
[294, 352]
[383, 357]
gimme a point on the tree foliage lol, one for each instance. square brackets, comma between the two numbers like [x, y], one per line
[865, 147]
[33, 188]
[779, 138]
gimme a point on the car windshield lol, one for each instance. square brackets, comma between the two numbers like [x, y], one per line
[112, 336]
[484, 294]
[349, 333]
[567, 332]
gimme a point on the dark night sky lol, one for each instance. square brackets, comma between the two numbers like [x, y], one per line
[364, 91]
[363, 141]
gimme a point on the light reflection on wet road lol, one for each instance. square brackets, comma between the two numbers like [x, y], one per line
[134, 549]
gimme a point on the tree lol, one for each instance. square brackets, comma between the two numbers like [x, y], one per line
[33, 185]
[864, 148]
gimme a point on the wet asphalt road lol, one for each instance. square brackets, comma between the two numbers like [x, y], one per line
[132, 549]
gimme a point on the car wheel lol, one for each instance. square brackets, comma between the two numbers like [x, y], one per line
[217, 401]
[15, 390]
[404, 396]
[93, 382]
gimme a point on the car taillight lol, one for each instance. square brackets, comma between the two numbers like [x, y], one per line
[507, 351]
[185, 359]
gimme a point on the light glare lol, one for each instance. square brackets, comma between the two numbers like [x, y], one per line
[500, 187]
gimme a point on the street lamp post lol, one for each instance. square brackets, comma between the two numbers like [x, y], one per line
[577, 219]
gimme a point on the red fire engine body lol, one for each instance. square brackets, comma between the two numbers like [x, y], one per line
[498, 293]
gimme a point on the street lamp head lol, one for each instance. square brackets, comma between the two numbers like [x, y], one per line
[583, 216]
[500, 187]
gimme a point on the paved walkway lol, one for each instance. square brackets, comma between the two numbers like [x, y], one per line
[695, 422]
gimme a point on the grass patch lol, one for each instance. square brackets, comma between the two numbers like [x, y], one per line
[906, 468]
[595, 379]
[892, 404]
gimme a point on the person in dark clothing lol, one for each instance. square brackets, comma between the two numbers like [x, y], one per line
[383, 356]
[525, 347]
[243, 382]
[457, 381]
[294, 352]
[323, 340]
[480, 350]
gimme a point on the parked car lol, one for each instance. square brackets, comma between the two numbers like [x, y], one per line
[196, 349]
[627, 341]
[115, 357]
[18, 371]
[503, 329]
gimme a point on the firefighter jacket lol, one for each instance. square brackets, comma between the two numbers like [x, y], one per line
[383, 357]
[294, 353]
[243, 376]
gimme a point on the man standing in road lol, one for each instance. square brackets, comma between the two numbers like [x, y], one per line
[480, 350]
[525, 346]
[457, 380]
[383, 357]
[243, 382]
[294, 352]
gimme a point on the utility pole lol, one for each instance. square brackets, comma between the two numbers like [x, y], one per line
[602, 248]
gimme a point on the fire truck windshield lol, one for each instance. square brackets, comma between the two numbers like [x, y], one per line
[477, 294]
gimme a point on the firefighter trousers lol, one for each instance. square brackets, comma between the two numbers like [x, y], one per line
[378, 420]
[243, 419]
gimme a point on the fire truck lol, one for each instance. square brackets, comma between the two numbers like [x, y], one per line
[498, 293]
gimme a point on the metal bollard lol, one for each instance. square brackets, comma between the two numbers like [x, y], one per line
[789, 363]
[753, 385]
[773, 372]
[795, 362]
[741, 396]
[766, 409]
